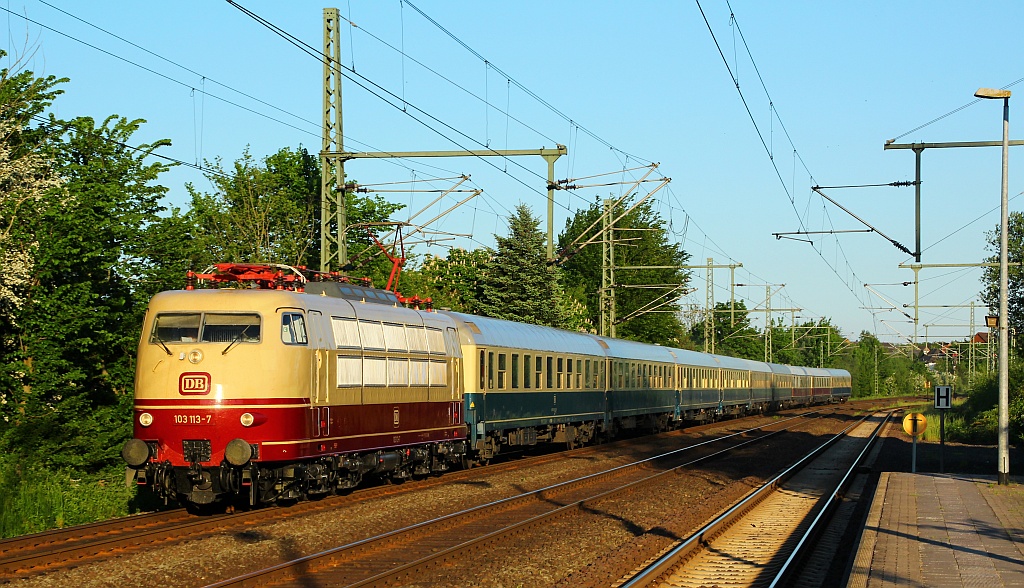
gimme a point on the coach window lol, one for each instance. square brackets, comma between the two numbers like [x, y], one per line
[490, 370]
[515, 371]
[586, 373]
[483, 369]
[550, 372]
[527, 374]
[293, 328]
[502, 368]
[537, 372]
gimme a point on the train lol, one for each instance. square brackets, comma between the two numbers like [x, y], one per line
[281, 384]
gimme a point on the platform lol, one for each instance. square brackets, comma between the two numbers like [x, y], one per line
[942, 530]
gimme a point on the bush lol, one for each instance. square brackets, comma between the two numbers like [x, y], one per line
[976, 420]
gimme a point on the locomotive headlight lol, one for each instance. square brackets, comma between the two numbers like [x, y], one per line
[145, 419]
[247, 419]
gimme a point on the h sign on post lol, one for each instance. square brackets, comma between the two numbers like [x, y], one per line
[943, 397]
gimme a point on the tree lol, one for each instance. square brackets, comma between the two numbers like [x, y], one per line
[80, 322]
[259, 212]
[455, 281]
[1015, 281]
[26, 176]
[882, 369]
[642, 240]
[518, 283]
[737, 338]
[269, 211]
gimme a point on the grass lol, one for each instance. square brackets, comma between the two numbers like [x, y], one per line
[32, 501]
[933, 426]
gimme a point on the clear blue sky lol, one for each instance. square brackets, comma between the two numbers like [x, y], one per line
[641, 82]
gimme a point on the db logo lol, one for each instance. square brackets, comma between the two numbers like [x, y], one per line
[197, 383]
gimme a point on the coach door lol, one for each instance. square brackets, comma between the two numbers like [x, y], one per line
[319, 391]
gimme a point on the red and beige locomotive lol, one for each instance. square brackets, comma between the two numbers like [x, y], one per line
[280, 387]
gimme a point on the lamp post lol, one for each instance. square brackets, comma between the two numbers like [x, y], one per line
[1004, 348]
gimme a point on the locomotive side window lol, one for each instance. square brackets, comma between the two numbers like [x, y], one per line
[346, 332]
[418, 372]
[398, 371]
[293, 329]
[372, 334]
[350, 371]
[394, 337]
[176, 328]
[417, 339]
[438, 373]
[375, 371]
[435, 341]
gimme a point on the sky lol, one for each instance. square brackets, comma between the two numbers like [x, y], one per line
[744, 104]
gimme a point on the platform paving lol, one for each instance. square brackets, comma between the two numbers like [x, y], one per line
[942, 530]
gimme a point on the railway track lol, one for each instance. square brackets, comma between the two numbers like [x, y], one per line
[760, 541]
[403, 555]
[62, 548]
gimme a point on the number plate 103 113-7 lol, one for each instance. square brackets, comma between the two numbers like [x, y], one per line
[193, 418]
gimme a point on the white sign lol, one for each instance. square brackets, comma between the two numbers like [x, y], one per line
[943, 397]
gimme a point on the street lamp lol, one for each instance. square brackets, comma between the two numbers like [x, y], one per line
[1004, 348]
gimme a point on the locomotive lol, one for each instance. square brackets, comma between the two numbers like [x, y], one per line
[291, 384]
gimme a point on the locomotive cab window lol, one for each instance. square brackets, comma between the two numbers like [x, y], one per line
[206, 328]
[225, 328]
[176, 328]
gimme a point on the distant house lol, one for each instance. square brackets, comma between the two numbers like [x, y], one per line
[980, 337]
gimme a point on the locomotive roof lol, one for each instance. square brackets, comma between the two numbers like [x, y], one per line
[227, 299]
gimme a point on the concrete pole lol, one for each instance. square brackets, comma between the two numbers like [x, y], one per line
[1004, 316]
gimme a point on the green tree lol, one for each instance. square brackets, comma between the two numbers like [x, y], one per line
[887, 370]
[1015, 276]
[269, 211]
[454, 282]
[259, 212]
[642, 240]
[518, 283]
[79, 325]
[810, 343]
[734, 335]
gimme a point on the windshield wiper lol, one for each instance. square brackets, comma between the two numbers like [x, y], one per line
[234, 341]
[161, 342]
